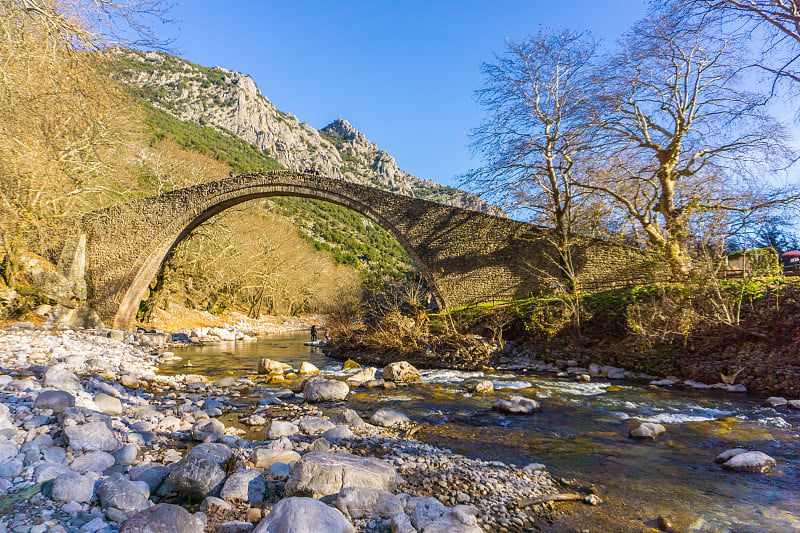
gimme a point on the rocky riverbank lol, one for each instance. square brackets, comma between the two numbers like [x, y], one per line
[476, 353]
[93, 439]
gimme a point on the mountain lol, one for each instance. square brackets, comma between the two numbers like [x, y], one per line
[230, 101]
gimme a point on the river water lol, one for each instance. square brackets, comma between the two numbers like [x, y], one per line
[581, 433]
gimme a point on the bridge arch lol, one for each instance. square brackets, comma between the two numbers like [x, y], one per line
[465, 256]
[207, 203]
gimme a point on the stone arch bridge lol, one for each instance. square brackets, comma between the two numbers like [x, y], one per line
[465, 256]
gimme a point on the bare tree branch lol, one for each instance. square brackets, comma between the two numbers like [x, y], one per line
[676, 124]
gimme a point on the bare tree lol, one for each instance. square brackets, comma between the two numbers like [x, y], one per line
[100, 23]
[538, 97]
[773, 23]
[679, 134]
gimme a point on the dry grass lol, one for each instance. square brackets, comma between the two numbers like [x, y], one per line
[176, 318]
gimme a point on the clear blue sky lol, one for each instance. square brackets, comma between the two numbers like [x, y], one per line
[402, 72]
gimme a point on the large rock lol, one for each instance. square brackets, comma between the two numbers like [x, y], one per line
[130, 381]
[339, 432]
[268, 366]
[223, 334]
[95, 461]
[8, 450]
[264, 458]
[47, 471]
[92, 436]
[320, 474]
[11, 468]
[349, 417]
[88, 430]
[234, 526]
[244, 486]
[516, 404]
[280, 428]
[118, 492]
[49, 281]
[126, 455]
[82, 415]
[304, 515]
[197, 476]
[108, 404]
[72, 486]
[213, 450]
[307, 369]
[482, 387]
[153, 474]
[401, 523]
[775, 401]
[224, 383]
[647, 430]
[400, 371]
[60, 377]
[279, 471]
[82, 316]
[323, 390]
[57, 400]
[362, 376]
[254, 420]
[6, 422]
[164, 518]
[208, 430]
[311, 425]
[360, 502]
[750, 462]
[430, 515]
[54, 454]
[388, 418]
[727, 454]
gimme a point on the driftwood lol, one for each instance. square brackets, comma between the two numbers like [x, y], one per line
[559, 497]
[415, 429]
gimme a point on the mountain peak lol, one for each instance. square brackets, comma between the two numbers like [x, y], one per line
[231, 101]
[345, 131]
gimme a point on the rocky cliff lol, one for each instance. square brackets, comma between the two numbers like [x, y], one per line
[231, 101]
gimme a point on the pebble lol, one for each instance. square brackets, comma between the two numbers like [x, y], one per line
[129, 436]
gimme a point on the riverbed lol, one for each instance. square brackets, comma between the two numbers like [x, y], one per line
[581, 433]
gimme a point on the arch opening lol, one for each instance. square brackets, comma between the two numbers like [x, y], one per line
[180, 230]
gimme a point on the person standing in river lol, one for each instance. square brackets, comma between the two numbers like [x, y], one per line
[313, 332]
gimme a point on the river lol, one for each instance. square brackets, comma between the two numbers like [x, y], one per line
[581, 433]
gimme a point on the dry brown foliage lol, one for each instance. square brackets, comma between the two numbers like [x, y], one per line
[66, 131]
[249, 259]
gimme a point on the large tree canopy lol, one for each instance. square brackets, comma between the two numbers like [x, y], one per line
[538, 96]
[661, 130]
[680, 133]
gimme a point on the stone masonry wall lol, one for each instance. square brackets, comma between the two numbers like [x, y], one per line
[466, 256]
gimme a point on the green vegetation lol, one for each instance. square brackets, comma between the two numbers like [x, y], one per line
[223, 146]
[431, 193]
[649, 315]
[332, 137]
[353, 240]
[326, 226]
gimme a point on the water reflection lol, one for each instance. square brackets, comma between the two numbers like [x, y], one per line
[241, 358]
